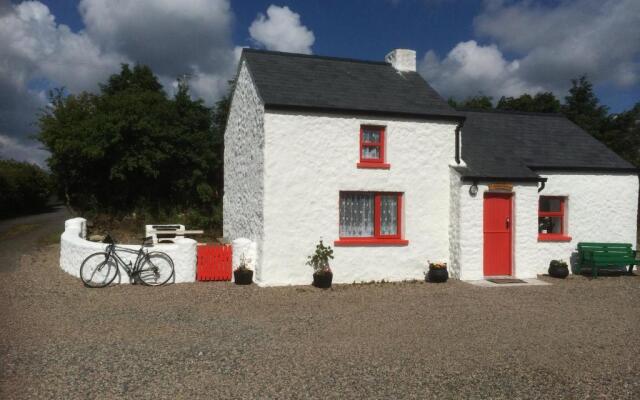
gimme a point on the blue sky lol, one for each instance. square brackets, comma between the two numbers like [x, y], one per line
[464, 47]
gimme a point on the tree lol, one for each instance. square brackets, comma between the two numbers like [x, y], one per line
[475, 103]
[24, 188]
[621, 132]
[131, 148]
[542, 102]
[583, 108]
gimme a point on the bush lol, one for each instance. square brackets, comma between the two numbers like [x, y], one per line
[131, 149]
[24, 188]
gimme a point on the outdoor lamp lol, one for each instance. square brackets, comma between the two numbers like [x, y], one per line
[473, 189]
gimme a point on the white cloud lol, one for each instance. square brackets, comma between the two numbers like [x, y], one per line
[548, 46]
[190, 37]
[282, 30]
[35, 48]
[174, 38]
[29, 151]
[556, 43]
[470, 69]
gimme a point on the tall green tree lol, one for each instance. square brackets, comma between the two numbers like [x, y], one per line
[583, 107]
[541, 102]
[24, 188]
[474, 103]
[132, 148]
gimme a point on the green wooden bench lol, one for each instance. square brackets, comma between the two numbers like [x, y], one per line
[596, 256]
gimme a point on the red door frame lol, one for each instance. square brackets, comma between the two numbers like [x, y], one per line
[497, 235]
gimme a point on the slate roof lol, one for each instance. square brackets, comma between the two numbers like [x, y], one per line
[516, 145]
[288, 80]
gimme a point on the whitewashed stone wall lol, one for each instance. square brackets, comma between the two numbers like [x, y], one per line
[244, 164]
[309, 159]
[454, 224]
[600, 207]
[74, 249]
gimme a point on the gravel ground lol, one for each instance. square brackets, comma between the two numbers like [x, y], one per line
[574, 339]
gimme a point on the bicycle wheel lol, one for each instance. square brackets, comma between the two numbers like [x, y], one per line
[97, 272]
[156, 269]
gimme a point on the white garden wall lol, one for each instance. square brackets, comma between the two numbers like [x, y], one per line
[600, 208]
[74, 249]
[310, 158]
[244, 163]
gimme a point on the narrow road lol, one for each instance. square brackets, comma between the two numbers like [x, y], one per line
[20, 235]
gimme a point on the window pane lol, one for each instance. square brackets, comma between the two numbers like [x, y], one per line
[550, 204]
[370, 153]
[356, 214]
[370, 136]
[389, 214]
[550, 225]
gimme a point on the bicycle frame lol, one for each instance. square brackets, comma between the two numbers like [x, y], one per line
[131, 269]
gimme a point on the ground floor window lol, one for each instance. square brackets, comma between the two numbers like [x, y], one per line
[370, 218]
[552, 218]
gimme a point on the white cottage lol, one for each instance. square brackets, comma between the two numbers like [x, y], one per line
[367, 156]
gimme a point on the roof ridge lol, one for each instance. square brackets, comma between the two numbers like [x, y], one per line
[513, 112]
[287, 54]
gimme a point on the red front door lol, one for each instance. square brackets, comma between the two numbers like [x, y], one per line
[497, 234]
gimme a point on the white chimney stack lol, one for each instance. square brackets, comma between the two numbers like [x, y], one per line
[402, 59]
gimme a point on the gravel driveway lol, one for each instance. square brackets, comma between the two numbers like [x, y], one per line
[574, 339]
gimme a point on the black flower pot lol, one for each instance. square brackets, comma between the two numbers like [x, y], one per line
[243, 276]
[322, 280]
[558, 270]
[437, 275]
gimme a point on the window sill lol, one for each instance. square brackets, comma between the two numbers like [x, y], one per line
[373, 165]
[370, 242]
[553, 238]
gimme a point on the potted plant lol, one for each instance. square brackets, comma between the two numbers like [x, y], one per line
[243, 275]
[558, 269]
[319, 261]
[437, 272]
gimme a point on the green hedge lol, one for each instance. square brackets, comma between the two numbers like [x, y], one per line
[24, 188]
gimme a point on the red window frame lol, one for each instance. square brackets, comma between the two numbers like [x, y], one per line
[562, 237]
[373, 162]
[377, 238]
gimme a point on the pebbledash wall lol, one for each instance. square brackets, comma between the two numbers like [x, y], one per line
[599, 208]
[244, 166]
[74, 249]
[310, 158]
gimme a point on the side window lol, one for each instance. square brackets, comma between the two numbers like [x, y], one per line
[552, 222]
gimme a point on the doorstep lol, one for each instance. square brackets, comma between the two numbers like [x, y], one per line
[527, 282]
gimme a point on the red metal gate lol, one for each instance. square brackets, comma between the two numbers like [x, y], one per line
[214, 262]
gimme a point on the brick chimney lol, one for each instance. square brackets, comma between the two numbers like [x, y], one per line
[402, 59]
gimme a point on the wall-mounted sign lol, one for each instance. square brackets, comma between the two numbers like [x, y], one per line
[505, 187]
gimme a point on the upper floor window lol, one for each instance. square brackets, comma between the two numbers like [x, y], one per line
[372, 147]
[552, 218]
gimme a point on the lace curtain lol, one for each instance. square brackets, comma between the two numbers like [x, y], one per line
[389, 214]
[356, 214]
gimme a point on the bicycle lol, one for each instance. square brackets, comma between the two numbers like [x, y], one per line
[150, 268]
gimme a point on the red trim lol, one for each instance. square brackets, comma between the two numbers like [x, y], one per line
[553, 237]
[379, 145]
[378, 238]
[374, 165]
[344, 242]
[558, 237]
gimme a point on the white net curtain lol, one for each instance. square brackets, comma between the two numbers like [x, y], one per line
[357, 214]
[389, 214]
